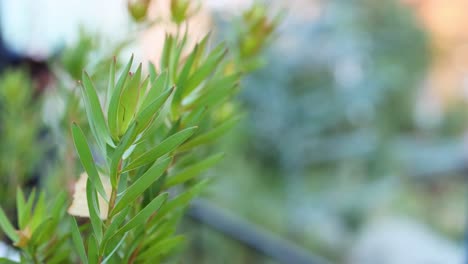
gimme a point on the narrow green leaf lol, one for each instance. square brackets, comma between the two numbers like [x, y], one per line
[111, 82]
[206, 69]
[7, 227]
[216, 91]
[86, 158]
[45, 228]
[58, 243]
[210, 135]
[184, 74]
[23, 214]
[114, 103]
[141, 184]
[142, 216]
[158, 86]
[47, 224]
[113, 227]
[166, 146]
[123, 183]
[154, 190]
[201, 50]
[132, 245]
[94, 211]
[60, 256]
[29, 204]
[152, 72]
[78, 241]
[175, 127]
[129, 101]
[159, 119]
[180, 201]
[175, 56]
[162, 247]
[143, 91]
[39, 211]
[58, 207]
[161, 230]
[194, 117]
[192, 171]
[148, 114]
[114, 250]
[93, 250]
[187, 160]
[166, 53]
[117, 156]
[95, 115]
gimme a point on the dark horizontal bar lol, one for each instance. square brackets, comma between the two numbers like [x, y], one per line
[252, 236]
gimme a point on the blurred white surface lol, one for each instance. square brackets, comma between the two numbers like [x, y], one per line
[8, 252]
[39, 27]
[403, 241]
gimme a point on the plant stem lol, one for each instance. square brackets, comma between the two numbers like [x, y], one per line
[134, 255]
[34, 256]
[113, 195]
[35, 260]
[111, 205]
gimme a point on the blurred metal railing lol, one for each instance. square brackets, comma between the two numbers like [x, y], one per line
[260, 240]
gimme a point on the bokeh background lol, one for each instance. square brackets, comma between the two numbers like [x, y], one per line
[353, 145]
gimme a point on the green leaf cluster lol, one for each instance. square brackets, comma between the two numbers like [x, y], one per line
[144, 147]
[38, 234]
[150, 122]
[20, 125]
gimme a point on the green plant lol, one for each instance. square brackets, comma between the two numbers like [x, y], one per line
[20, 126]
[143, 155]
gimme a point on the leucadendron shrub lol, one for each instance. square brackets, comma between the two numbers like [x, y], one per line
[142, 152]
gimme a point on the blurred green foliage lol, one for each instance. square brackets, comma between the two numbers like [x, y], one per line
[329, 119]
[21, 149]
